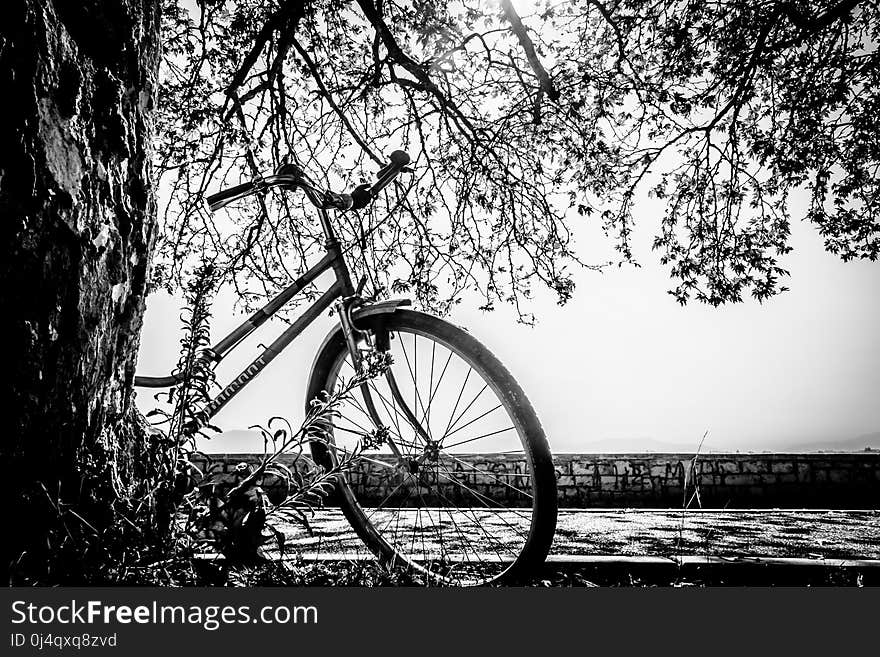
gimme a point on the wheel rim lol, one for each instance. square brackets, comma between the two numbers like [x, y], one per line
[459, 507]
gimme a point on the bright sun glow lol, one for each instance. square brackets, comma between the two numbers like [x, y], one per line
[524, 7]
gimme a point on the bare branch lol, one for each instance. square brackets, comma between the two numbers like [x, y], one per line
[522, 35]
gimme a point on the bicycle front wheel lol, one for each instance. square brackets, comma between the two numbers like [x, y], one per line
[463, 491]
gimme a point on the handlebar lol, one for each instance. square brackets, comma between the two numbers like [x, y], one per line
[292, 177]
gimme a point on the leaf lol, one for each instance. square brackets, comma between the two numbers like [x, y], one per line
[280, 539]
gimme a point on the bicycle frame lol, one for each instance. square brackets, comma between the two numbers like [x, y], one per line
[341, 289]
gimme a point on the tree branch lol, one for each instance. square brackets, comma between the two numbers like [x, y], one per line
[396, 54]
[313, 70]
[522, 35]
[287, 16]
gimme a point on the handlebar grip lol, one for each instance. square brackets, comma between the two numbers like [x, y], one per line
[218, 200]
[399, 159]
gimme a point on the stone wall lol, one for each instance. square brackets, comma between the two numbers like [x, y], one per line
[740, 480]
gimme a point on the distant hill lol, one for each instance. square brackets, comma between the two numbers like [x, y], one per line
[250, 441]
[859, 443]
[869, 441]
[642, 444]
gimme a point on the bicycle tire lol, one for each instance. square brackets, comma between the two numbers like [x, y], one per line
[502, 568]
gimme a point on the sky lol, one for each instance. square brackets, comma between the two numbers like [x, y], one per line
[622, 367]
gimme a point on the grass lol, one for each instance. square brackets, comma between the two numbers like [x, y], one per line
[366, 573]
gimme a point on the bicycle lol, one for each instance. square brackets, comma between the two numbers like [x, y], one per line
[420, 497]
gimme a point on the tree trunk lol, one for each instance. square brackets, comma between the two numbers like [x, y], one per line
[78, 81]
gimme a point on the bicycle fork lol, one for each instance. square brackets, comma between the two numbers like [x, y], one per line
[344, 308]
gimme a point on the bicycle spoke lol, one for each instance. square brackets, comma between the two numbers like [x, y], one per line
[387, 497]
[449, 431]
[476, 520]
[384, 404]
[470, 440]
[481, 497]
[427, 417]
[439, 381]
[493, 475]
[458, 400]
[417, 399]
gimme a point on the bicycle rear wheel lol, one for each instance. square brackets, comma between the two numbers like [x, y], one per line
[470, 497]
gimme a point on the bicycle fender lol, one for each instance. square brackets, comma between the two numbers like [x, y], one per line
[367, 310]
[380, 308]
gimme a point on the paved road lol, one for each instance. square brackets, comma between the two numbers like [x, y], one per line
[755, 533]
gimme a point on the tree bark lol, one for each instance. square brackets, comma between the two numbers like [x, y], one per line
[77, 210]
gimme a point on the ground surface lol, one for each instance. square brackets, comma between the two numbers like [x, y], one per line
[749, 533]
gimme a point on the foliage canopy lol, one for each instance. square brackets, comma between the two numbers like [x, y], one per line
[522, 121]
